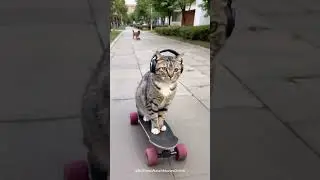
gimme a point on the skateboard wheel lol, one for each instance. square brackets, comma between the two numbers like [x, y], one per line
[134, 118]
[152, 156]
[181, 150]
[77, 170]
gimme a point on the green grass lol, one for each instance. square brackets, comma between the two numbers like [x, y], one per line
[204, 44]
[114, 34]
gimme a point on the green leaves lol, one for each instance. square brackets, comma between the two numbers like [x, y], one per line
[118, 7]
[186, 32]
[205, 6]
[143, 9]
[184, 4]
[163, 8]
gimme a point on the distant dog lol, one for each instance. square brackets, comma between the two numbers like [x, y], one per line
[136, 35]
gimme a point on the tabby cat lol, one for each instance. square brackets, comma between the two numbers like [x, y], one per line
[157, 89]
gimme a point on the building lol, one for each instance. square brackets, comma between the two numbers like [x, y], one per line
[131, 8]
[194, 16]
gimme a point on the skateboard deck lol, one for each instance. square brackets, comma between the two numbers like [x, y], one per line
[164, 140]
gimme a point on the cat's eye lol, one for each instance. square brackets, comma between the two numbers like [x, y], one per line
[176, 70]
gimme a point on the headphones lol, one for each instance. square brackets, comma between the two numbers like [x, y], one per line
[153, 62]
[231, 16]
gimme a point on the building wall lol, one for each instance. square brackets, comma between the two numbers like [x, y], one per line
[131, 8]
[199, 18]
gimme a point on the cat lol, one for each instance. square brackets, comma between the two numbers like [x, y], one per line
[156, 90]
[136, 35]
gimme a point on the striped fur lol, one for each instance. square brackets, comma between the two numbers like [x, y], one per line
[156, 91]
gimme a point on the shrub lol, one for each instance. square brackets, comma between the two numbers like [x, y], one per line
[186, 32]
[168, 31]
[141, 27]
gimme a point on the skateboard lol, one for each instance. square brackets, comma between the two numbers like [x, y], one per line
[164, 145]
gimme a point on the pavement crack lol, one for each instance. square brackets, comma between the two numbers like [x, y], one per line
[294, 79]
[44, 119]
[137, 60]
[298, 37]
[193, 95]
[294, 132]
[171, 167]
[95, 24]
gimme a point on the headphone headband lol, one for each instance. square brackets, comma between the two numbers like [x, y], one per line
[170, 50]
[153, 59]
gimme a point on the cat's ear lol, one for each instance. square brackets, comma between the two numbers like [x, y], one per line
[158, 54]
[180, 57]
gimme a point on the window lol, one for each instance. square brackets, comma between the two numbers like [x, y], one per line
[176, 16]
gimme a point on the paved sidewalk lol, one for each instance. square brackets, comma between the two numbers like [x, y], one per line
[266, 105]
[189, 114]
[47, 50]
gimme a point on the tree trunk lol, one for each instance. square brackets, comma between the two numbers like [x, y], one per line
[117, 22]
[170, 13]
[218, 21]
[183, 21]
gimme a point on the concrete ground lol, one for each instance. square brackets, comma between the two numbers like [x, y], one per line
[265, 110]
[189, 115]
[47, 51]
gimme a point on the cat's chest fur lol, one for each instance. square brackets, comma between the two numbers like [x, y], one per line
[166, 91]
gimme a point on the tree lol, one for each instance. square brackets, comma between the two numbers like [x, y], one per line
[119, 11]
[143, 10]
[165, 8]
[131, 18]
[205, 6]
[183, 4]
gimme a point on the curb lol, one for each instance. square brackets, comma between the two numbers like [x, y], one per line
[115, 40]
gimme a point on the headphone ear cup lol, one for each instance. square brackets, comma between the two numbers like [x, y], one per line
[230, 13]
[181, 68]
[153, 65]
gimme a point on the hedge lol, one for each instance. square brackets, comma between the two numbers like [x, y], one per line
[141, 27]
[186, 32]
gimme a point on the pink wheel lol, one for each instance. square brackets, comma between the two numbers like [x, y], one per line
[134, 118]
[77, 170]
[152, 156]
[181, 150]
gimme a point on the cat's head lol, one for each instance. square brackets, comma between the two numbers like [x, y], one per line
[168, 68]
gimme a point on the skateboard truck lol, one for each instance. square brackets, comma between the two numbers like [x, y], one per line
[166, 154]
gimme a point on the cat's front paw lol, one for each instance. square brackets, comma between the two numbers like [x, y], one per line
[145, 119]
[163, 128]
[155, 131]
